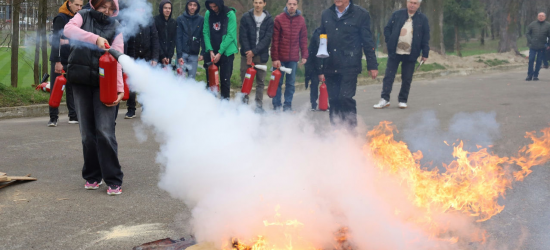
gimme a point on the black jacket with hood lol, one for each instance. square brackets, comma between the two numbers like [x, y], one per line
[314, 65]
[60, 53]
[145, 44]
[248, 34]
[167, 32]
[189, 31]
[216, 35]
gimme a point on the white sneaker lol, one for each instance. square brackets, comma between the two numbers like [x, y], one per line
[403, 105]
[382, 104]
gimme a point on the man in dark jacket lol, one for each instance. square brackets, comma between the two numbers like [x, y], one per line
[166, 27]
[59, 57]
[289, 40]
[346, 44]
[314, 67]
[220, 41]
[145, 46]
[407, 36]
[537, 35]
[190, 41]
[255, 35]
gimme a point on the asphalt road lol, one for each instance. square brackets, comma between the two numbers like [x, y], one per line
[55, 212]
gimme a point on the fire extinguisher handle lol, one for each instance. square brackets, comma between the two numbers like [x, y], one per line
[107, 46]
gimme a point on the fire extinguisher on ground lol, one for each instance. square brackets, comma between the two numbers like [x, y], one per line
[250, 76]
[275, 79]
[108, 93]
[323, 97]
[57, 91]
[44, 86]
[213, 77]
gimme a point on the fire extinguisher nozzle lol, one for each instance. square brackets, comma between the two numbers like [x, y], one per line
[115, 53]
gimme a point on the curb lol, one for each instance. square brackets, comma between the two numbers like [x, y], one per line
[43, 109]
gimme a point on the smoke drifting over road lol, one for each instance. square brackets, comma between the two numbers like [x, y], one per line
[239, 172]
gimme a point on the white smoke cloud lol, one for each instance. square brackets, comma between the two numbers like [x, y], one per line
[136, 14]
[233, 167]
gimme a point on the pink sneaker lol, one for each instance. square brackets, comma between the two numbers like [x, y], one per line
[114, 190]
[92, 186]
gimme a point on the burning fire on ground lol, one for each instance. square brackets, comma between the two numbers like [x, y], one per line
[471, 185]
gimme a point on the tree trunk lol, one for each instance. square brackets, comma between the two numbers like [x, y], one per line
[492, 27]
[457, 42]
[36, 59]
[482, 36]
[15, 42]
[509, 27]
[43, 6]
[434, 11]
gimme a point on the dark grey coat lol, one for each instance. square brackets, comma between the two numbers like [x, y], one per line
[537, 34]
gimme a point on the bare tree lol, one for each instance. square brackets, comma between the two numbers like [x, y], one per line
[43, 10]
[434, 11]
[16, 4]
[509, 27]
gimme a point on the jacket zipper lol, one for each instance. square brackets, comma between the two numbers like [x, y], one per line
[290, 43]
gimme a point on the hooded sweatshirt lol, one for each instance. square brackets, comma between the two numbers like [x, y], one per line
[74, 31]
[167, 32]
[190, 29]
[220, 29]
[60, 53]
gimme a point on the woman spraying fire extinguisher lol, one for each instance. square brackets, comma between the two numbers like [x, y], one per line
[91, 30]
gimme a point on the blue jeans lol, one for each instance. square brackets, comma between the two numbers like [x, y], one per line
[290, 87]
[97, 129]
[539, 55]
[191, 61]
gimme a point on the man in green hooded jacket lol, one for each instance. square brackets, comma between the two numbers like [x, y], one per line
[220, 40]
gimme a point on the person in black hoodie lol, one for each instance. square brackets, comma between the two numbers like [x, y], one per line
[59, 57]
[255, 35]
[166, 27]
[145, 46]
[190, 41]
[314, 67]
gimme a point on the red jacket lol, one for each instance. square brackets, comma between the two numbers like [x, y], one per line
[289, 38]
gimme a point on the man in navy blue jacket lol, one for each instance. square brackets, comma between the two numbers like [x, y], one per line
[59, 57]
[407, 36]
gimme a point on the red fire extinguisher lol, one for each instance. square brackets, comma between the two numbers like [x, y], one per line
[213, 77]
[57, 91]
[274, 83]
[179, 71]
[249, 80]
[126, 88]
[108, 78]
[323, 97]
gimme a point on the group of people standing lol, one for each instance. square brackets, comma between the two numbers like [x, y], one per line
[81, 33]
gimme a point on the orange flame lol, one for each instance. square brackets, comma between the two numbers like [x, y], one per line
[472, 183]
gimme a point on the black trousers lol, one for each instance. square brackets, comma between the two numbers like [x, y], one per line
[225, 66]
[99, 144]
[341, 90]
[407, 72]
[131, 103]
[314, 91]
[54, 112]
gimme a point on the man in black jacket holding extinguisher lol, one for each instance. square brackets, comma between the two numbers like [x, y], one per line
[59, 57]
[345, 45]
